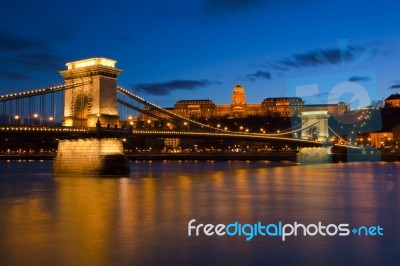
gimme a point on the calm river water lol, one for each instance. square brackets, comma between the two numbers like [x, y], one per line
[143, 219]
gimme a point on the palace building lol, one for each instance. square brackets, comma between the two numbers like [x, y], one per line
[239, 108]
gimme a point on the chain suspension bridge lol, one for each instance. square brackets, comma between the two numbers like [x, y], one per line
[85, 113]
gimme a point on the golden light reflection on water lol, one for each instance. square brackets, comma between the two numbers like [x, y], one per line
[102, 221]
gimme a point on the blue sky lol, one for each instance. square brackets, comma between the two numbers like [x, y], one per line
[199, 49]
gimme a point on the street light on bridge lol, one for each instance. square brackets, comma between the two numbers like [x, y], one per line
[17, 117]
[36, 116]
[149, 124]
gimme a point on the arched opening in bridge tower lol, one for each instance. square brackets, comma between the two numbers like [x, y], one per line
[81, 110]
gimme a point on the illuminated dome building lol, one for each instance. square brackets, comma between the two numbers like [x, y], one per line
[238, 96]
[239, 108]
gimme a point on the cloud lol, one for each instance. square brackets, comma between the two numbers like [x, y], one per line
[14, 75]
[215, 7]
[212, 7]
[126, 38]
[396, 86]
[316, 57]
[165, 88]
[42, 61]
[259, 74]
[34, 62]
[358, 78]
[11, 42]
[21, 56]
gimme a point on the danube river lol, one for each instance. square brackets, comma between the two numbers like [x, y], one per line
[143, 219]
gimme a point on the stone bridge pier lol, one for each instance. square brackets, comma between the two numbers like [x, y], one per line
[91, 156]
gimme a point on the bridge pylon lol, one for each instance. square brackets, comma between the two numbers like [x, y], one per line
[316, 123]
[96, 97]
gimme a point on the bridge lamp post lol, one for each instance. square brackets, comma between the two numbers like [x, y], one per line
[185, 124]
[149, 123]
[51, 119]
[241, 128]
[16, 117]
[225, 128]
[98, 124]
[168, 125]
[130, 122]
[35, 116]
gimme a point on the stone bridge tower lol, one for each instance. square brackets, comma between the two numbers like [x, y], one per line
[96, 98]
[320, 130]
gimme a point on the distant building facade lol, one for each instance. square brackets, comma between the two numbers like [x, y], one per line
[334, 109]
[239, 108]
[393, 100]
[282, 107]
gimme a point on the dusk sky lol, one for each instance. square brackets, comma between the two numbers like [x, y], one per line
[200, 49]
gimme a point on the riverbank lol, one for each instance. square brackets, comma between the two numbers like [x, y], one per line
[271, 156]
